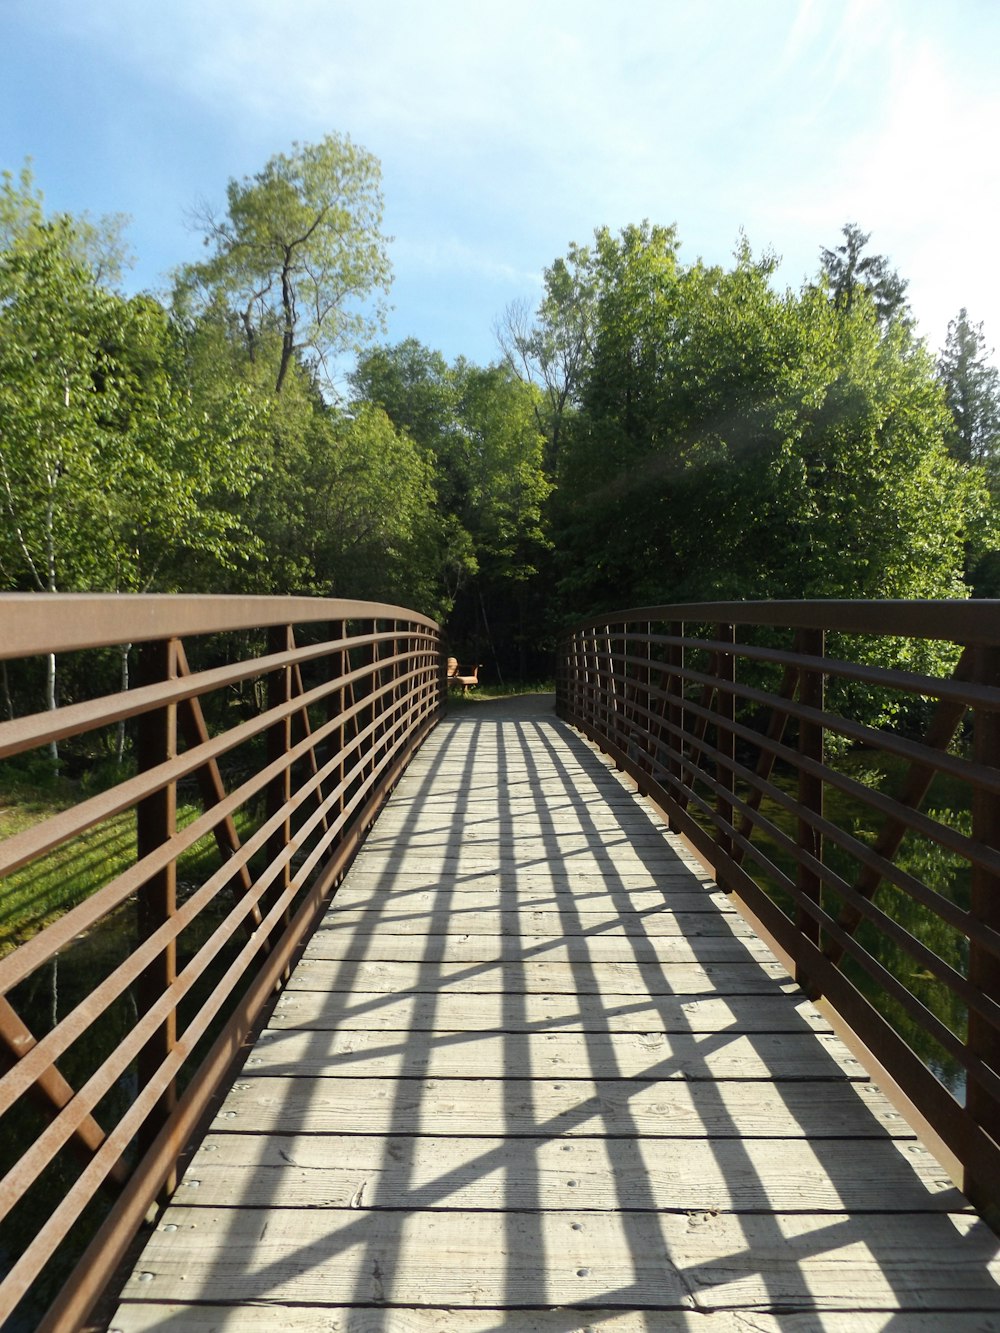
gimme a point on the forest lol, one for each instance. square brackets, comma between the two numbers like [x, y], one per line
[654, 430]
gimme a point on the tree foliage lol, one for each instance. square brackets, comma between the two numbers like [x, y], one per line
[553, 349]
[734, 441]
[297, 253]
[109, 477]
[972, 390]
[851, 273]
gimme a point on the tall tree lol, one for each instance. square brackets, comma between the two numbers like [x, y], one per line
[298, 253]
[850, 271]
[553, 348]
[972, 388]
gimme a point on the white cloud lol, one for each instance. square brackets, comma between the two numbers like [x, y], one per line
[506, 131]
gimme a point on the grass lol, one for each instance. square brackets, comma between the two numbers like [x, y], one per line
[33, 897]
[481, 693]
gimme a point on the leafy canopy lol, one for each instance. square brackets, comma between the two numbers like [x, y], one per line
[297, 253]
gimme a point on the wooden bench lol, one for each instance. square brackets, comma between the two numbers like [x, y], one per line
[458, 680]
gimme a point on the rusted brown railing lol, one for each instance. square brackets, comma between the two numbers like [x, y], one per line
[852, 806]
[276, 726]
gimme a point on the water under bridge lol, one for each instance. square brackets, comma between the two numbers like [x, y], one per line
[461, 1032]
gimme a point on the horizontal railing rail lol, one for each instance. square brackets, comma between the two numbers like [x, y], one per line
[239, 773]
[837, 765]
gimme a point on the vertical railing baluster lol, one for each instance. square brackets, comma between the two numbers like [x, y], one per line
[675, 710]
[811, 644]
[338, 702]
[400, 645]
[590, 703]
[280, 639]
[984, 967]
[613, 701]
[646, 720]
[589, 669]
[610, 685]
[725, 737]
[156, 824]
[578, 666]
[377, 706]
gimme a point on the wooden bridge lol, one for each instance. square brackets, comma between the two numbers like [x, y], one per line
[533, 1068]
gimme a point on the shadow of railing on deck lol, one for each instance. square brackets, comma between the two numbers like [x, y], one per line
[630, 1105]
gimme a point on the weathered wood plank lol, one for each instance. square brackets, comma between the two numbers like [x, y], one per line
[602, 1174]
[440, 916]
[593, 860]
[550, 893]
[135, 1317]
[631, 1260]
[513, 1106]
[509, 839]
[531, 818]
[317, 1010]
[750, 978]
[351, 1053]
[580, 951]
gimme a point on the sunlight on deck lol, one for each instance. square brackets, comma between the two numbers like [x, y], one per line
[531, 1059]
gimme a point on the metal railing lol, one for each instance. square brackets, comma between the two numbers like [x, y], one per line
[837, 765]
[260, 740]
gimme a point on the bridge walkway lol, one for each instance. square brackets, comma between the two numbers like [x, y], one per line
[533, 1072]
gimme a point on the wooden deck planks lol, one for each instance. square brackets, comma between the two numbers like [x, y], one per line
[325, 1319]
[303, 1171]
[627, 1260]
[516, 1105]
[422, 1012]
[532, 1059]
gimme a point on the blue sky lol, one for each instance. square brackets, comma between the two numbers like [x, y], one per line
[505, 131]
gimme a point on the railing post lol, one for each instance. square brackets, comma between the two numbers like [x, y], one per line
[375, 705]
[336, 703]
[156, 824]
[589, 649]
[642, 707]
[400, 644]
[675, 710]
[606, 680]
[984, 967]
[579, 677]
[725, 737]
[279, 742]
[810, 643]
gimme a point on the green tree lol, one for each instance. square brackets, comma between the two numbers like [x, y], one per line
[506, 485]
[554, 349]
[972, 389]
[479, 429]
[98, 246]
[370, 522]
[421, 394]
[734, 441]
[297, 254]
[850, 272]
[108, 474]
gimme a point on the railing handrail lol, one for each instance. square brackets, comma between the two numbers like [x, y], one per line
[33, 623]
[958, 620]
